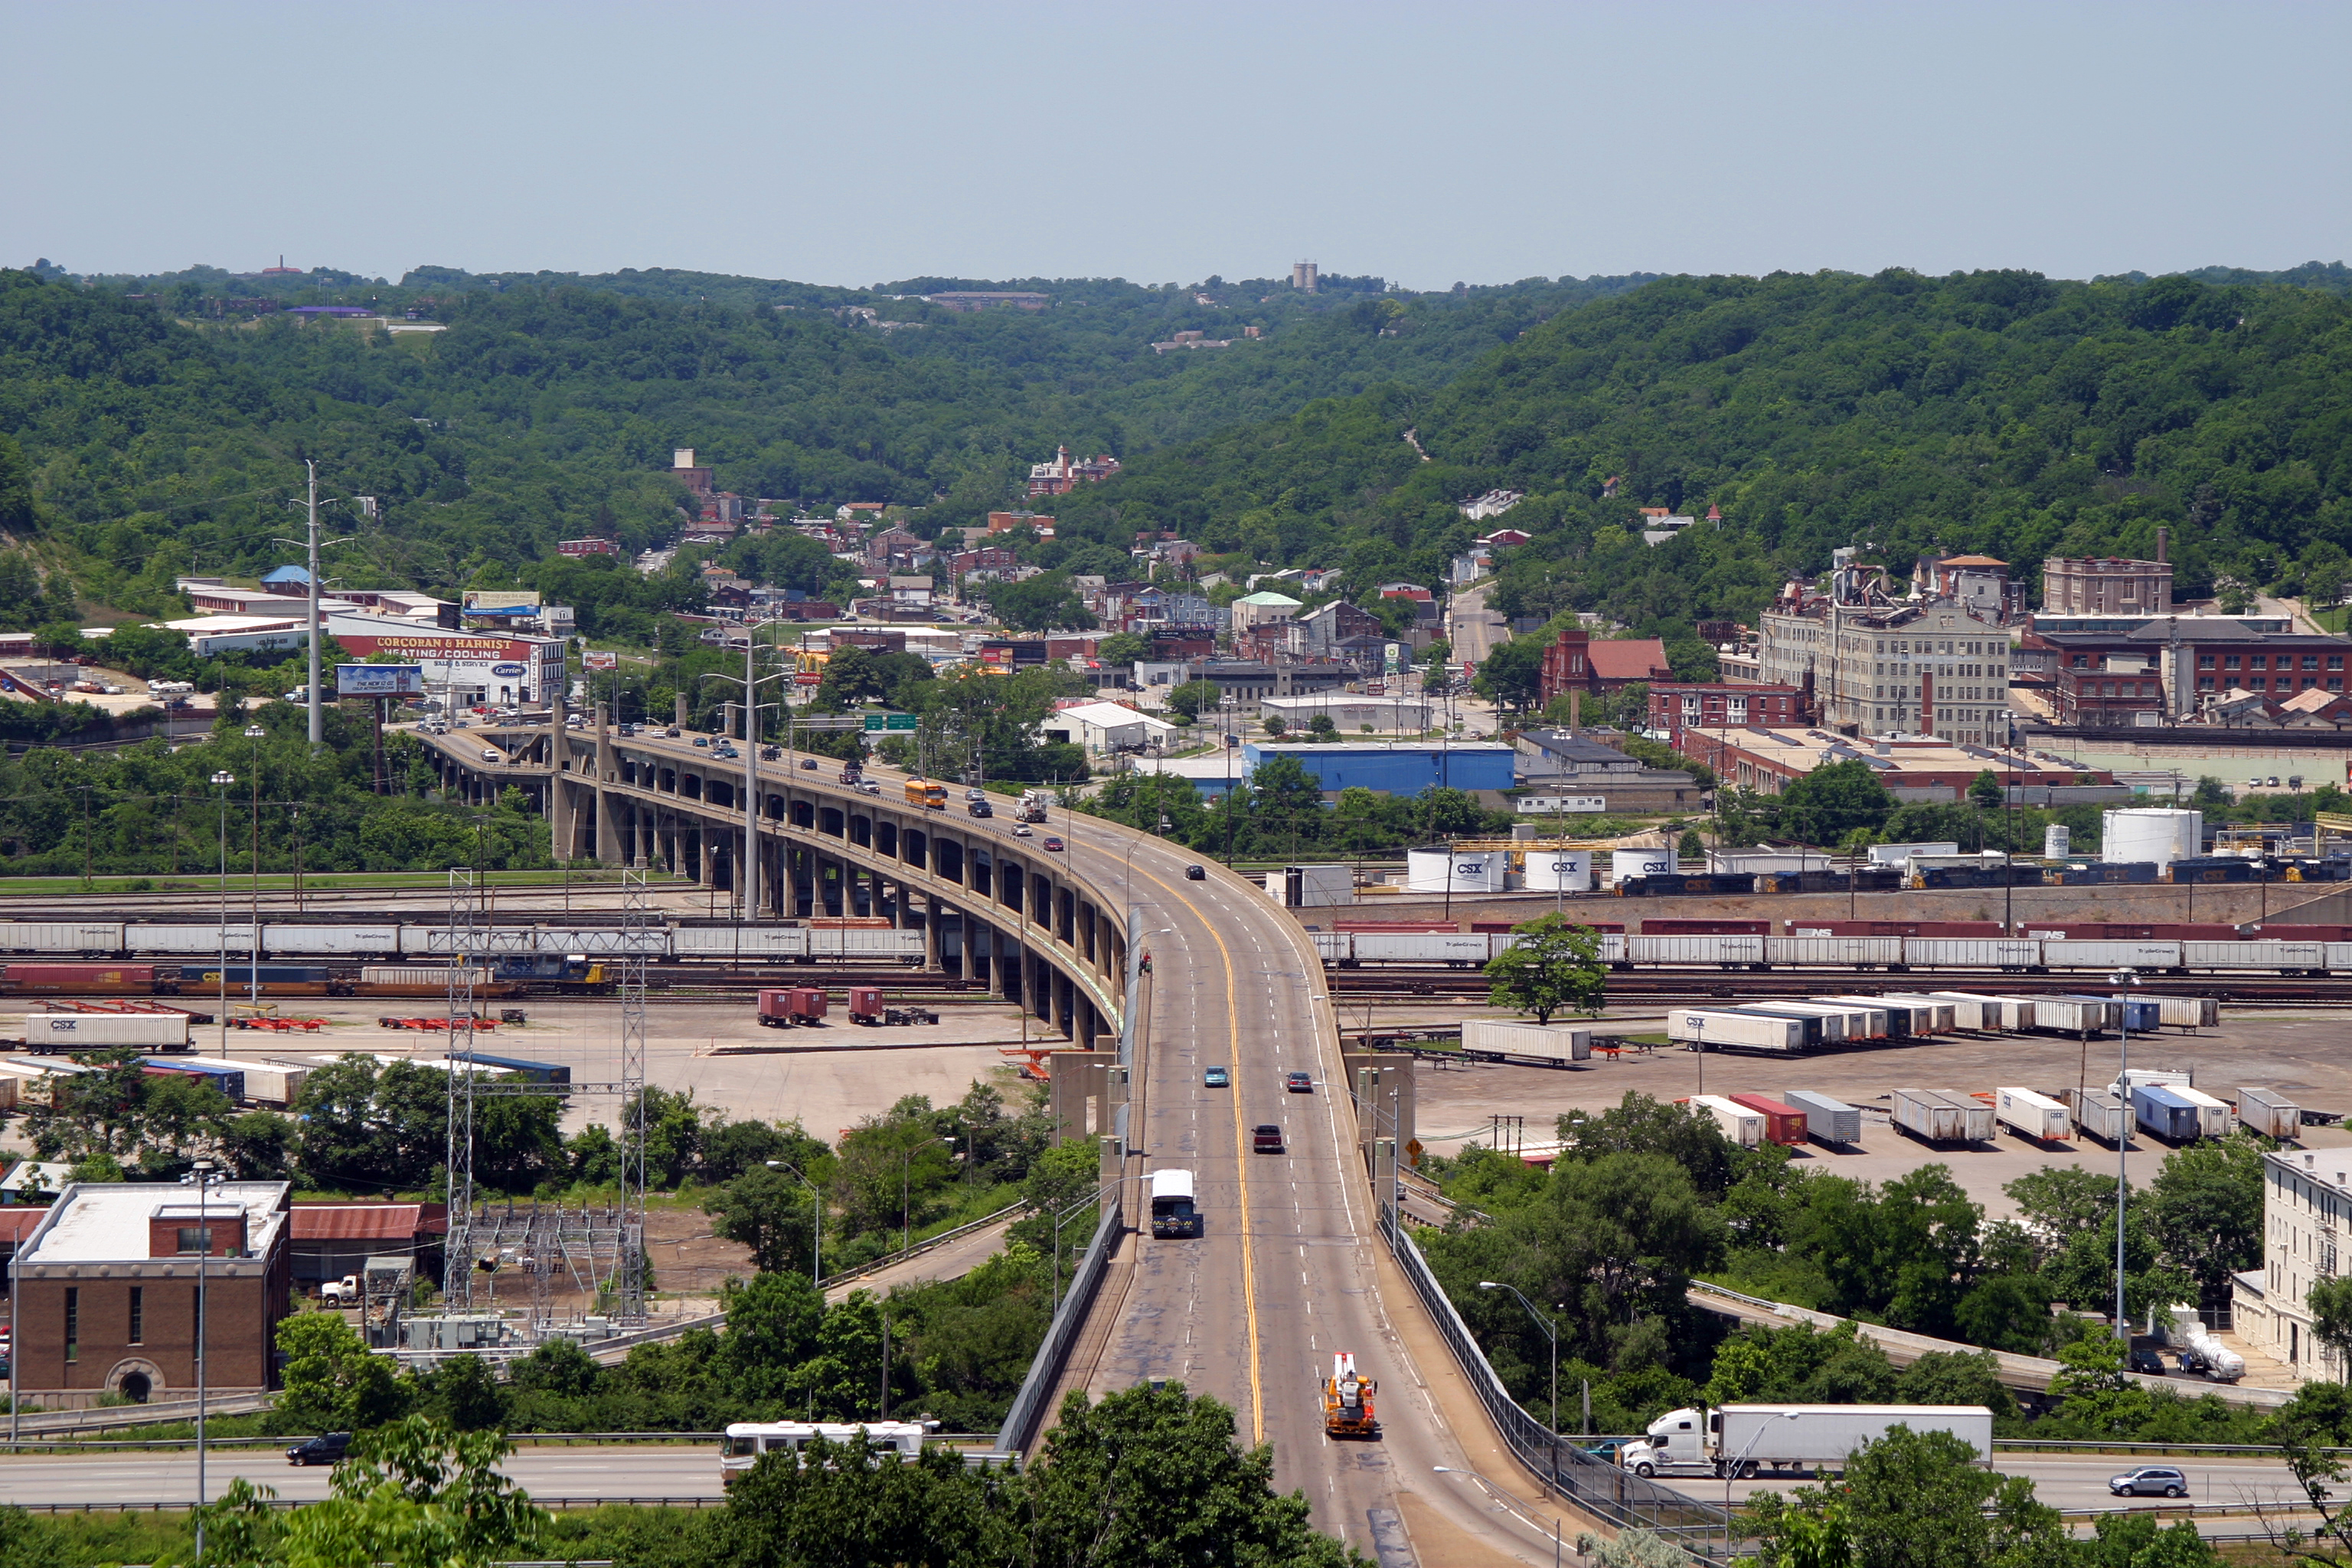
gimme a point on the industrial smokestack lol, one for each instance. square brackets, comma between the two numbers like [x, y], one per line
[2163, 545]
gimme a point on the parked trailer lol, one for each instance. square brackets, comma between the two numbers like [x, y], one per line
[1812, 1029]
[2031, 1115]
[2006, 1015]
[2098, 1114]
[2077, 1016]
[2280, 957]
[2214, 1115]
[1726, 1030]
[1916, 1018]
[2270, 1114]
[224, 1076]
[1724, 952]
[48, 1032]
[1783, 1123]
[2012, 953]
[330, 941]
[94, 939]
[2188, 1012]
[1953, 1012]
[188, 940]
[2167, 1112]
[784, 1007]
[2110, 955]
[1935, 1116]
[1735, 1121]
[1827, 1121]
[1559, 1044]
[1835, 951]
[268, 1083]
[1840, 1026]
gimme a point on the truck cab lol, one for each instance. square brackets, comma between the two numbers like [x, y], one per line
[1173, 1214]
[1676, 1442]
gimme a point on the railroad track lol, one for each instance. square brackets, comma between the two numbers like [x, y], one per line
[1669, 986]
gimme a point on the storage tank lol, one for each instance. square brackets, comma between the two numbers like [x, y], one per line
[1559, 870]
[2155, 835]
[1433, 871]
[1626, 864]
[2057, 841]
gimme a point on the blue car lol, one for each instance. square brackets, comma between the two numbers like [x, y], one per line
[1216, 1077]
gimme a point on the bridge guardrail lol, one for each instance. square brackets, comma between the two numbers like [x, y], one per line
[1046, 1366]
[1614, 1496]
[874, 1266]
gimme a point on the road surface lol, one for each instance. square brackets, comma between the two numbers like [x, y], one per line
[684, 1470]
[2078, 1483]
[1471, 629]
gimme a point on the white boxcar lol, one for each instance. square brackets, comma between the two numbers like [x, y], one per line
[1736, 1122]
[1750, 1031]
[2071, 1015]
[746, 941]
[2034, 1115]
[420, 976]
[1613, 947]
[1835, 951]
[1457, 948]
[2098, 1114]
[2282, 957]
[435, 941]
[2214, 1116]
[1728, 952]
[1971, 952]
[1541, 1042]
[2005, 1014]
[1939, 1117]
[2270, 1114]
[866, 941]
[92, 939]
[2188, 1012]
[2060, 955]
[1334, 946]
[1827, 1121]
[330, 941]
[47, 1032]
[188, 940]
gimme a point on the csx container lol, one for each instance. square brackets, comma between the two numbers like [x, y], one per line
[1971, 952]
[2282, 957]
[1543, 1042]
[1700, 1026]
[2166, 1111]
[48, 1032]
[2214, 1114]
[1735, 1121]
[2034, 1115]
[1937, 1117]
[1783, 1123]
[2100, 1115]
[2270, 1114]
[1827, 1120]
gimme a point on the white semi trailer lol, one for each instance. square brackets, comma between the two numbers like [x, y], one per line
[1746, 1438]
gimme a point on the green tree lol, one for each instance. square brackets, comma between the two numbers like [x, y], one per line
[1194, 697]
[465, 1395]
[2330, 1301]
[1834, 800]
[332, 1382]
[1554, 965]
[769, 1213]
[2205, 1209]
[1511, 675]
[1984, 792]
[1048, 602]
[1123, 648]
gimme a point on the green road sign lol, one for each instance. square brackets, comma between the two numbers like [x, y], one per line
[901, 721]
[873, 720]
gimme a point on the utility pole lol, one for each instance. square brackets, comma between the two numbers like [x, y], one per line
[318, 720]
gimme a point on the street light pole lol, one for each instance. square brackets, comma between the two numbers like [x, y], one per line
[221, 781]
[2124, 979]
[256, 734]
[202, 1173]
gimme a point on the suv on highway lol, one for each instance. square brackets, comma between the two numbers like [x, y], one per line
[2156, 1480]
[1265, 1138]
[321, 1450]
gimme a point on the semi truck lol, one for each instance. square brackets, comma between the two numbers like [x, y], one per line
[1747, 1439]
[1032, 807]
[1348, 1400]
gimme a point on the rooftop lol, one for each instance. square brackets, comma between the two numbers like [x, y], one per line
[1804, 750]
[107, 1222]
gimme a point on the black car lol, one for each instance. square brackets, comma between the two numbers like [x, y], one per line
[321, 1450]
[809, 763]
[981, 808]
[2148, 1362]
[1196, 873]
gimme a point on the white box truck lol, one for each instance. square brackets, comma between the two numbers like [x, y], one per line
[1558, 1043]
[2031, 1114]
[48, 1032]
[1745, 1438]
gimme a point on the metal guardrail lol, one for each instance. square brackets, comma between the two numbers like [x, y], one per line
[519, 1439]
[108, 1418]
[1046, 1366]
[1592, 1485]
[926, 1245]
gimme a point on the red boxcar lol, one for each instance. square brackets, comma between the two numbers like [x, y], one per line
[1405, 928]
[2276, 932]
[83, 976]
[1894, 928]
[1610, 927]
[1782, 1123]
[1704, 928]
[2116, 931]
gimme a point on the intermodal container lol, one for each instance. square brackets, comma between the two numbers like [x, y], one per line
[1910, 1017]
[2034, 1115]
[1655, 926]
[2188, 1012]
[2213, 1115]
[1826, 1119]
[2165, 1111]
[2141, 1014]
[747, 942]
[2006, 1014]
[2111, 955]
[1735, 1121]
[94, 937]
[2100, 1115]
[1838, 1024]
[1543, 1042]
[188, 940]
[1725, 952]
[1812, 1029]
[1437, 947]
[1971, 952]
[1964, 1012]
[1783, 1123]
[2283, 931]
[2071, 1015]
[1704, 1027]
[2116, 931]
[2270, 1114]
[78, 977]
[2282, 957]
[48, 1032]
[330, 941]
[1937, 1117]
[1895, 928]
[1835, 951]
[226, 1077]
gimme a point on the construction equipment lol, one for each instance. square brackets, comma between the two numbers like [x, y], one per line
[1348, 1400]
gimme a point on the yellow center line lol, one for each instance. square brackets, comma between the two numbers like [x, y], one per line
[1241, 1159]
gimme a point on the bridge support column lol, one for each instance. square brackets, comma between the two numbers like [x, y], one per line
[931, 933]
[995, 961]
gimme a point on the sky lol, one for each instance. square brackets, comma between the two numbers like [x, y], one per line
[1430, 144]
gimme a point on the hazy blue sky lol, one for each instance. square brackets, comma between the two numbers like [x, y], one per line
[1487, 142]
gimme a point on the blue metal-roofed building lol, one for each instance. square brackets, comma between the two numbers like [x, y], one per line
[1395, 769]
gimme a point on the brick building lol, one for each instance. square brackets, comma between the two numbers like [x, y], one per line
[1578, 663]
[1678, 706]
[2106, 586]
[106, 1290]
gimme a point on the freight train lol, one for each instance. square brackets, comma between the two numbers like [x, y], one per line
[2013, 954]
[137, 939]
[2205, 869]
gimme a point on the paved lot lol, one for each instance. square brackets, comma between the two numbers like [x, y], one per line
[2300, 1053]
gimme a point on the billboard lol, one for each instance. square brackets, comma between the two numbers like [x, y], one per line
[600, 658]
[379, 680]
[500, 599]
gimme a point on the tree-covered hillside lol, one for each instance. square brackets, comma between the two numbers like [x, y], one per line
[1997, 412]
[163, 437]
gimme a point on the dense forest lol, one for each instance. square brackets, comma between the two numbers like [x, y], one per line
[1998, 412]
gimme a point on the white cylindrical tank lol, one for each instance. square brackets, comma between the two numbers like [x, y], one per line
[1559, 870]
[2160, 835]
[1463, 871]
[1626, 864]
[2057, 841]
